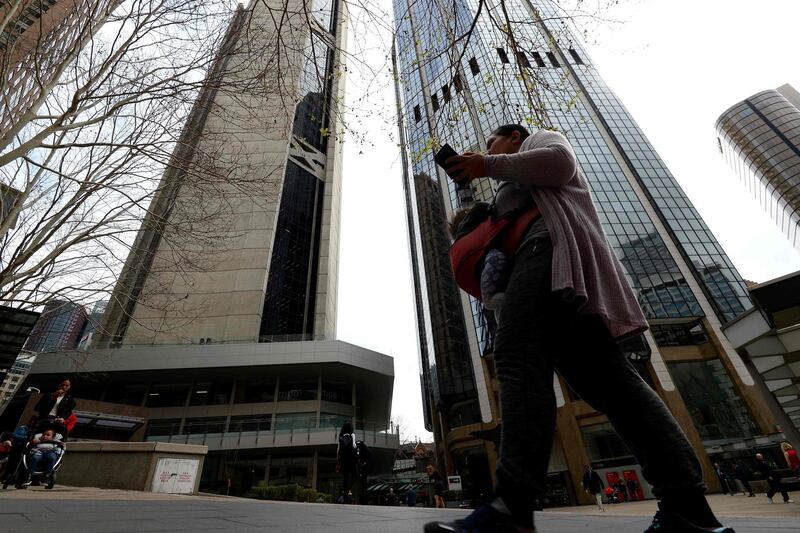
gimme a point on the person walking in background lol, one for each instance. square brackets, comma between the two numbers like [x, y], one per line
[567, 304]
[622, 489]
[740, 473]
[593, 484]
[411, 497]
[791, 457]
[347, 460]
[774, 481]
[633, 489]
[438, 486]
[723, 479]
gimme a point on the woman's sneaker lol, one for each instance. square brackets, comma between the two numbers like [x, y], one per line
[667, 522]
[485, 519]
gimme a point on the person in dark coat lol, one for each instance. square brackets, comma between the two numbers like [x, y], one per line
[347, 460]
[592, 483]
[54, 408]
[774, 481]
[741, 473]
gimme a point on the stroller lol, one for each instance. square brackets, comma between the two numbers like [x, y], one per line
[47, 477]
[17, 469]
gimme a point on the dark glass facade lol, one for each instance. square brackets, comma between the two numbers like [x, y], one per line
[291, 286]
[717, 409]
[547, 81]
[760, 139]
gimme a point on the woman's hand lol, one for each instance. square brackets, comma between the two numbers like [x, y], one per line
[467, 166]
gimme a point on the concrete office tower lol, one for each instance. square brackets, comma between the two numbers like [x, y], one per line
[760, 138]
[246, 249]
[38, 39]
[686, 284]
[224, 332]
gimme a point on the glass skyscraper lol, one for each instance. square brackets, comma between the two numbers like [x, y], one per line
[760, 138]
[459, 76]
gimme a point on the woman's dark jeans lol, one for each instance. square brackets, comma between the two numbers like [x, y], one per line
[538, 333]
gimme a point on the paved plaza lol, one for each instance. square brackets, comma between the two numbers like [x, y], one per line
[72, 510]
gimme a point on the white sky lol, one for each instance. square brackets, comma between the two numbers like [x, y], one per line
[676, 65]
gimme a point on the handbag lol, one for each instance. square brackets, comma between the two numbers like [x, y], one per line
[504, 233]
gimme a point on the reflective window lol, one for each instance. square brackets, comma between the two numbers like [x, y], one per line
[603, 443]
[717, 410]
[127, 394]
[250, 423]
[295, 421]
[167, 395]
[292, 390]
[163, 427]
[211, 393]
[255, 391]
[204, 425]
[338, 392]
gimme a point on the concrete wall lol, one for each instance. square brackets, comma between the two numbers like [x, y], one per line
[122, 465]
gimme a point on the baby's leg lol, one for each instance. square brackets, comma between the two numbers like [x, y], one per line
[494, 278]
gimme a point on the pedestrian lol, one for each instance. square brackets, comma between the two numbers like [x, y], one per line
[566, 306]
[633, 489]
[438, 486]
[743, 476]
[391, 497]
[411, 497]
[622, 489]
[723, 479]
[593, 485]
[774, 481]
[347, 460]
[791, 457]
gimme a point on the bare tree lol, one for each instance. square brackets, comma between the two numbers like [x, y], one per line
[108, 134]
[106, 143]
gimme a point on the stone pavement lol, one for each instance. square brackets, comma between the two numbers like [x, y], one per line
[72, 510]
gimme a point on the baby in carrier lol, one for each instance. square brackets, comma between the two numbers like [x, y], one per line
[496, 267]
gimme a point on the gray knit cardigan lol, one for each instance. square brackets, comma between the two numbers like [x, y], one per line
[584, 265]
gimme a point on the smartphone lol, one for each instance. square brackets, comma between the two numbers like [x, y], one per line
[441, 157]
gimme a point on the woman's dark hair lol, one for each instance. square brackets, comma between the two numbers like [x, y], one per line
[507, 129]
[347, 427]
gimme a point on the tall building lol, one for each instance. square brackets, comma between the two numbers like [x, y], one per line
[232, 344]
[15, 377]
[760, 138]
[685, 283]
[38, 38]
[92, 324]
[59, 328]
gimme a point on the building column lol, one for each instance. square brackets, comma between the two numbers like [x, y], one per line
[314, 469]
[319, 399]
[355, 406]
[266, 470]
[570, 438]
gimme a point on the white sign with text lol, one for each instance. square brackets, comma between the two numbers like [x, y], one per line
[175, 476]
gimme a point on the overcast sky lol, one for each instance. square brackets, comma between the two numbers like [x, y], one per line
[676, 65]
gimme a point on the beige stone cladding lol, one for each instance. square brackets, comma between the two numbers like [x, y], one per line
[209, 273]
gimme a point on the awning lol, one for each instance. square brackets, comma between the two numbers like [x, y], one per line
[106, 420]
